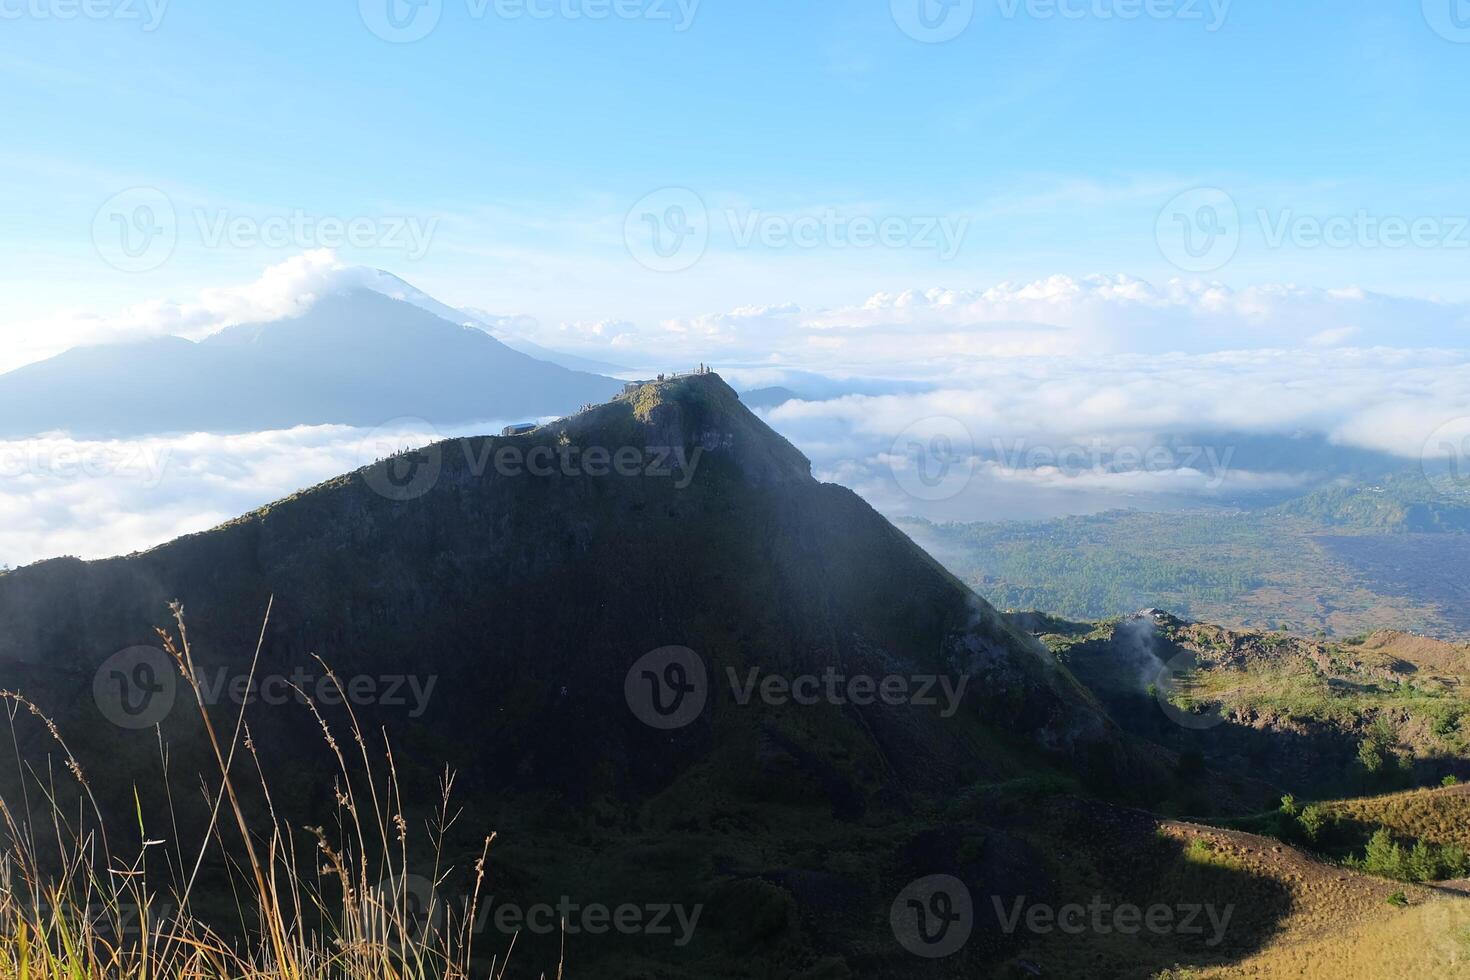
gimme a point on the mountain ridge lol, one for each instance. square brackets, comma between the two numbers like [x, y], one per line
[346, 546]
[354, 357]
[388, 284]
[518, 583]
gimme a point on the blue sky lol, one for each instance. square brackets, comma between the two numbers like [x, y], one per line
[523, 141]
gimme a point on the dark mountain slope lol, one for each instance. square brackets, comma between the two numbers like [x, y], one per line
[515, 586]
[354, 358]
[526, 599]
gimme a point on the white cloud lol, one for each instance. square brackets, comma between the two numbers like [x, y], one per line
[596, 334]
[95, 499]
[1044, 435]
[930, 333]
[939, 332]
[1043, 438]
[283, 290]
[1057, 364]
[1378, 399]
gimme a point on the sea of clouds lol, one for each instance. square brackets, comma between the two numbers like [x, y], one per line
[1018, 400]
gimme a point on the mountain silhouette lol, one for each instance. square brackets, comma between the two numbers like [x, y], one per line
[593, 624]
[355, 357]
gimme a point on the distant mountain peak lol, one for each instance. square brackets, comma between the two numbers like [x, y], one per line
[391, 285]
[354, 357]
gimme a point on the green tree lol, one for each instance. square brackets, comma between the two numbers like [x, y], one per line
[1383, 856]
[1453, 861]
[1370, 756]
[1422, 864]
[1313, 818]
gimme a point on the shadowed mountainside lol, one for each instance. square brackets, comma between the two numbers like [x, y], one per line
[532, 595]
[511, 590]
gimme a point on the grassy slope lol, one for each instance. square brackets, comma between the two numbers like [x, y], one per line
[1415, 687]
[1426, 940]
[1295, 711]
[1340, 923]
[1438, 815]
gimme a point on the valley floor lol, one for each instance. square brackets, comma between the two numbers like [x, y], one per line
[1237, 568]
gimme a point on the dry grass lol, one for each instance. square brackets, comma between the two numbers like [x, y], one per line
[1341, 924]
[1417, 943]
[1441, 816]
[74, 908]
